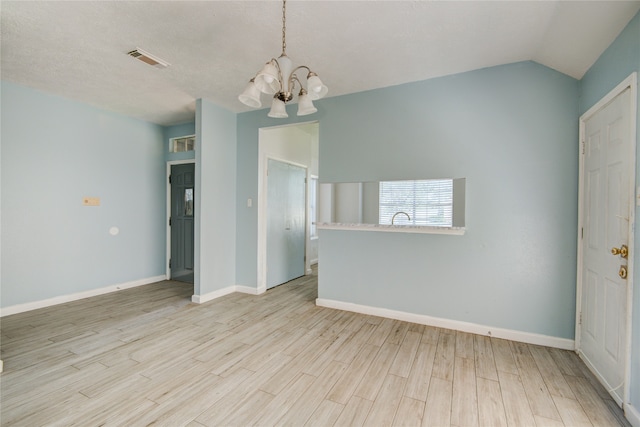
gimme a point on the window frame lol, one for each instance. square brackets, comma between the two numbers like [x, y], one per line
[427, 202]
[173, 141]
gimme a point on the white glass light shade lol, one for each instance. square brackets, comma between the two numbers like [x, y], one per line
[305, 105]
[315, 87]
[278, 109]
[267, 79]
[251, 96]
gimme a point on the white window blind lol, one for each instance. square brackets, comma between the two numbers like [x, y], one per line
[427, 202]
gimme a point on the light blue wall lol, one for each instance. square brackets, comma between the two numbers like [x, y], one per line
[215, 232]
[54, 153]
[177, 131]
[247, 180]
[620, 60]
[512, 132]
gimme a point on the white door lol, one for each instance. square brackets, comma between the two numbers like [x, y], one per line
[286, 219]
[607, 201]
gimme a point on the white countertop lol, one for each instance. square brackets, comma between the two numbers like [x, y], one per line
[459, 231]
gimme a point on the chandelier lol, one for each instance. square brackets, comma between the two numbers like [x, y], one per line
[279, 78]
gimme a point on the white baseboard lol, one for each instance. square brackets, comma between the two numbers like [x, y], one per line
[20, 308]
[633, 415]
[201, 299]
[313, 261]
[247, 290]
[527, 337]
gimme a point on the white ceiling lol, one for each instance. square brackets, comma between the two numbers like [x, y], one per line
[77, 49]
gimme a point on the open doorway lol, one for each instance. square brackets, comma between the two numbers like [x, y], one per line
[294, 145]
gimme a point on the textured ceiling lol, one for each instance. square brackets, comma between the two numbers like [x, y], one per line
[77, 49]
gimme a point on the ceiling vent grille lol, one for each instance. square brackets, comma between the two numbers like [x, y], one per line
[147, 58]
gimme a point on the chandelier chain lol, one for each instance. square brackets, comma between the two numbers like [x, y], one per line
[284, 27]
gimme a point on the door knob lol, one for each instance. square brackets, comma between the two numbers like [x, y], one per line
[623, 251]
[622, 272]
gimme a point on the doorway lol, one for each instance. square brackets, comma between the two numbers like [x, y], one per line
[181, 222]
[286, 220]
[297, 145]
[606, 238]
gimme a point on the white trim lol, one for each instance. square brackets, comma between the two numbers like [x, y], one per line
[247, 290]
[168, 213]
[632, 414]
[313, 261]
[631, 82]
[309, 221]
[20, 308]
[201, 299]
[474, 328]
[420, 229]
[263, 158]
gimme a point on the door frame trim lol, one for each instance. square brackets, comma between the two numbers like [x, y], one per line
[263, 211]
[629, 83]
[168, 212]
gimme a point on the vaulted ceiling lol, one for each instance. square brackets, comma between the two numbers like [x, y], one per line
[78, 49]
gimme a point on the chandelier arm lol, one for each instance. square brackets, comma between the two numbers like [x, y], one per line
[290, 85]
[300, 68]
[292, 82]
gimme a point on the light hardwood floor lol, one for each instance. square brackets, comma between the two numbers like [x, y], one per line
[148, 356]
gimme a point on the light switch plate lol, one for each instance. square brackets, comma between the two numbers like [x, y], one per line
[91, 201]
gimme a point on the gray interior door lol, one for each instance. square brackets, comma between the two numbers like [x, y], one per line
[286, 214]
[182, 225]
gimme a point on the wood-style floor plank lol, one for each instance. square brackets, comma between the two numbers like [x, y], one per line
[490, 407]
[375, 375]
[148, 356]
[410, 412]
[387, 401]
[437, 410]
[485, 362]
[355, 413]
[464, 404]
[326, 414]
[539, 398]
[420, 376]
[516, 406]
[445, 356]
